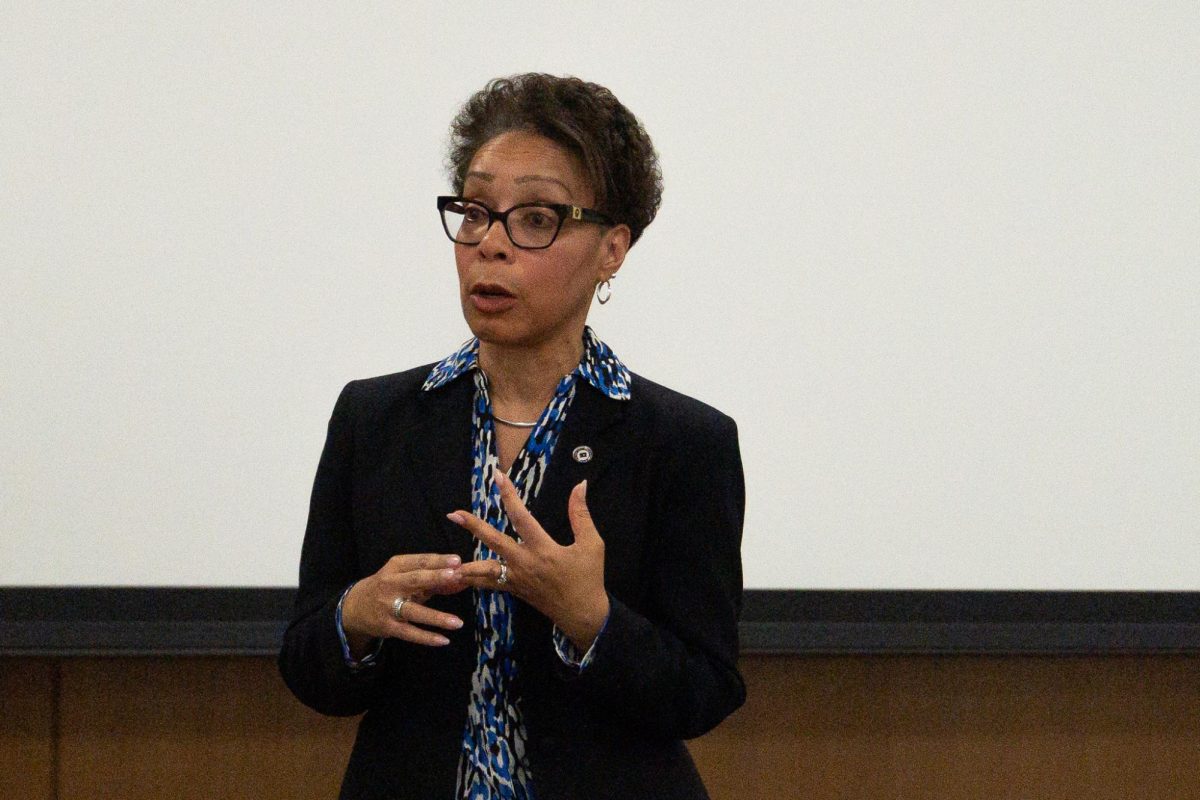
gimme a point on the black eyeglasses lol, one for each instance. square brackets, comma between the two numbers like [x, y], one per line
[530, 226]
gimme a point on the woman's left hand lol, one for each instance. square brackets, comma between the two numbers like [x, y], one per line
[564, 583]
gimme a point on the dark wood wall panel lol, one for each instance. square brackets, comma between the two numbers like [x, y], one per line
[192, 728]
[961, 727]
[1090, 728]
[27, 728]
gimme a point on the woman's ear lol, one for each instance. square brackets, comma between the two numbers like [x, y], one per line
[614, 245]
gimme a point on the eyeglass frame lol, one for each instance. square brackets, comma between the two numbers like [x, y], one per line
[563, 210]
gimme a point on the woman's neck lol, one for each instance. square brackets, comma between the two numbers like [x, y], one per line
[521, 380]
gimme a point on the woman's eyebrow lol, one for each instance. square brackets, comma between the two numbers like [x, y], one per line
[547, 178]
[488, 177]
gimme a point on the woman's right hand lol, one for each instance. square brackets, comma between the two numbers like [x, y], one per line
[367, 612]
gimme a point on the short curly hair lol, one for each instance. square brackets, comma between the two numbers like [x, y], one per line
[586, 119]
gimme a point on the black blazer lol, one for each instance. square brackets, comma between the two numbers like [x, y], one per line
[666, 492]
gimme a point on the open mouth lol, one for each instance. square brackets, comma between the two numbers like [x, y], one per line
[492, 298]
[491, 291]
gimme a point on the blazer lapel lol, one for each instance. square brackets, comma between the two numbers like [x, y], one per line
[599, 424]
[438, 449]
[591, 441]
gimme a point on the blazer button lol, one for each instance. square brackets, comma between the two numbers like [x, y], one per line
[582, 454]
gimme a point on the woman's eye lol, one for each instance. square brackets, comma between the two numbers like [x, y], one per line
[540, 219]
[474, 214]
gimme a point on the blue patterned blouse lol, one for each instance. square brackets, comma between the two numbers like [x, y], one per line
[493, 764]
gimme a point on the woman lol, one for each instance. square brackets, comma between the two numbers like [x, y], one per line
[523, 562]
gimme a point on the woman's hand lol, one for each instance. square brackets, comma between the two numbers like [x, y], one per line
[368, 611]
[564, 583]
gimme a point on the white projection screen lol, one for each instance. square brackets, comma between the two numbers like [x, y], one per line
[938, 260]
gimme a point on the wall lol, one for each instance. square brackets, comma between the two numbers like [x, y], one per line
[938, 260]
[814, 727]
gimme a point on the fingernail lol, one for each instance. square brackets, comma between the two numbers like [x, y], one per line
[442, 640]
[455, 517]
[454, 561]
[584, 488]
[454, 622]
[450, 573]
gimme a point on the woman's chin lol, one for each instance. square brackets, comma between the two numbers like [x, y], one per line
[490, 329]
[515, 330]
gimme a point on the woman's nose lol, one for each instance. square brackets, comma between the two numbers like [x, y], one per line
[495, 243]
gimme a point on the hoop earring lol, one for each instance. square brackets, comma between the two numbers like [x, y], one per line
[604, 291]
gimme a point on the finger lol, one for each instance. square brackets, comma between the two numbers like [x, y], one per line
[489, 583]
[411, 633]
[524, 523]
[414, 580]
[488, 568]
[496, 541]
[425, 584]
[419, 582]
[414, 561]
[417, 614]
[579, 514]
[451, 585]
[485, 573]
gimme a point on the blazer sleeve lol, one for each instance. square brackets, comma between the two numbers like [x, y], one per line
[311, 659]
[671, 668]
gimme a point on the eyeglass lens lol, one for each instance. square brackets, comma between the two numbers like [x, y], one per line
[528, 226]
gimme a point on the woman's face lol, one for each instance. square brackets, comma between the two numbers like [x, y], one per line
[513, 296]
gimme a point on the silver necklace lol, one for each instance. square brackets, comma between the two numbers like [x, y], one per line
[499, 418]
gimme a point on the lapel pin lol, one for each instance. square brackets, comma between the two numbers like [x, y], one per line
[582, 454]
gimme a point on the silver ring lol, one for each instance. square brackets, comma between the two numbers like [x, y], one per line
[503, 579]
[398, 606]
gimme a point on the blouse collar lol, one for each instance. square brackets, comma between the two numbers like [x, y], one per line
[599, 366]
